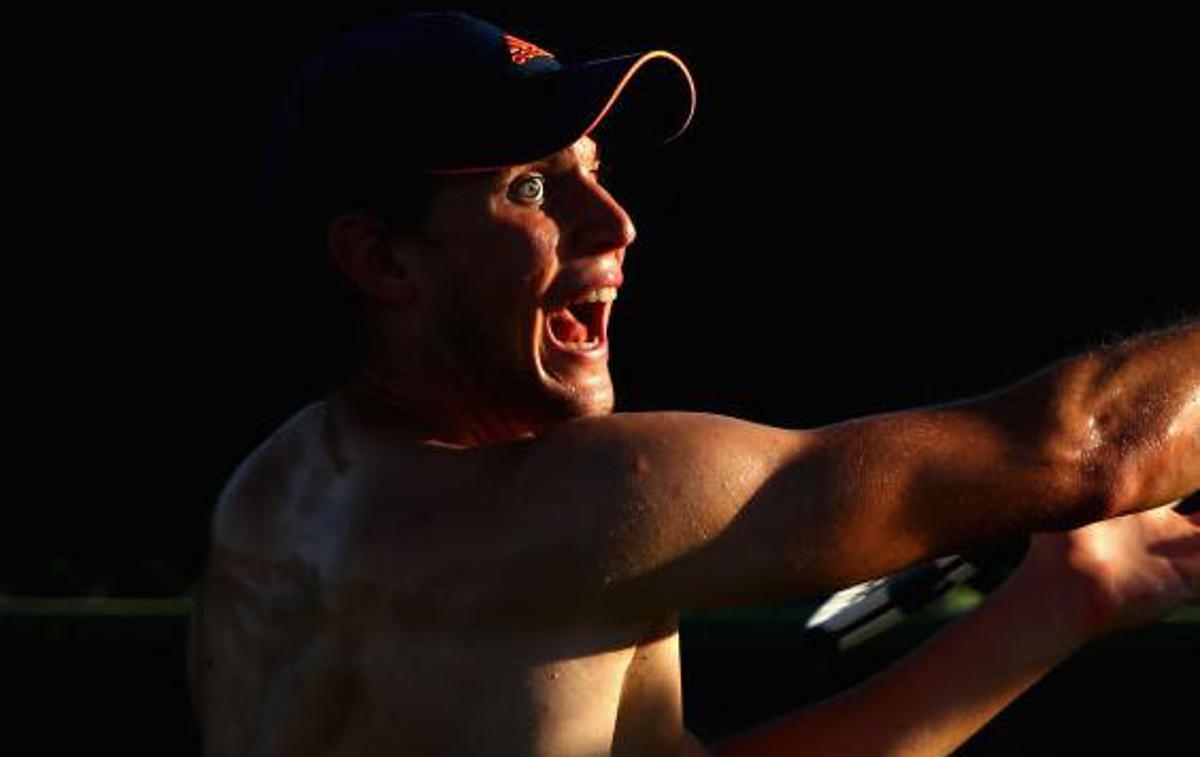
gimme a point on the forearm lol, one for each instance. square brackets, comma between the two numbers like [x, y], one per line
[936, 698]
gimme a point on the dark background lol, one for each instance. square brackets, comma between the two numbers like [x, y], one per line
[872, 210]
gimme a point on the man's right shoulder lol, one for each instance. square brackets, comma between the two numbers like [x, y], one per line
[572, 513]
[639, 452]
[564, 522]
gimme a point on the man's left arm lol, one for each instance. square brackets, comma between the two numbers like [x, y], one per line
[1071, 588]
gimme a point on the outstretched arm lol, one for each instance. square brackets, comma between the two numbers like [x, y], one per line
[1070, 589]
[648, 513]
[1112, 431]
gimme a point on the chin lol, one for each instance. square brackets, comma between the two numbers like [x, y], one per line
[563, 401]
[593, 403]
[572, 385]
[583, 401]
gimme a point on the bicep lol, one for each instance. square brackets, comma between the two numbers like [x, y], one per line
[653, 509]
[682, 511]
[874, 495]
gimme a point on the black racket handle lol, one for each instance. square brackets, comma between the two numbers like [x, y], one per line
[1190, 504]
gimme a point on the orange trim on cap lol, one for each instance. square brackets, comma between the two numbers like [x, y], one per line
[522, 52]
[629, 75]
[607, 107]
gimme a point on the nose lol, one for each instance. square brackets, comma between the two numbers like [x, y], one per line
[598, 224]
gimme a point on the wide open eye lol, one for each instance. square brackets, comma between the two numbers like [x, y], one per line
[530, 189]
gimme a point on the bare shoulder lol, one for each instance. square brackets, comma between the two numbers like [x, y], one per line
[664, 448]
[690, 472]
[551, 524]
[620, 501]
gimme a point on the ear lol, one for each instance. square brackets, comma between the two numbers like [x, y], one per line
[371, 259]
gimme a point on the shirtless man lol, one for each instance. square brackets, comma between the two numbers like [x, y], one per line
[461, 549]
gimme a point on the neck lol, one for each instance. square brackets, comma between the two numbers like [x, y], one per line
[444, 408]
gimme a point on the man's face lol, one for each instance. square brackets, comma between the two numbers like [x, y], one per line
[524, 265]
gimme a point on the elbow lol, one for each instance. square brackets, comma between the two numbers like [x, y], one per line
[1113, 487]
[1087, 480]
[1120, 426]
[1077, 440]
[1104, 480]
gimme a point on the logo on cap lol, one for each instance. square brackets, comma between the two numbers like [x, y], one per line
[522, 52]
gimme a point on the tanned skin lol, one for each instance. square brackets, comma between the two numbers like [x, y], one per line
[463, 550]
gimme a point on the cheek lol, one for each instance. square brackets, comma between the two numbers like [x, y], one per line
[528, 249]
[503, 266]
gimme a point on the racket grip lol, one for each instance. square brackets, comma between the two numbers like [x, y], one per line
[1189, 504]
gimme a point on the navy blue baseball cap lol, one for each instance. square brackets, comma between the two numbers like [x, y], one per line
[448, 93]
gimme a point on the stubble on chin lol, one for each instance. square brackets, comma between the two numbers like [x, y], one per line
[562, 400]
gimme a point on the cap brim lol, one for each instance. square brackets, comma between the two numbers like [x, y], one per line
[572, 103]
[659, 86]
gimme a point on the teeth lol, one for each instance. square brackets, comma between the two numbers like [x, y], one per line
[584, 345]
[603, 294]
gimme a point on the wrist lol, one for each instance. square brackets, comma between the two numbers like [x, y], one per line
[1054, 600]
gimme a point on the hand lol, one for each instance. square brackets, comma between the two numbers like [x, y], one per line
[1120, 573]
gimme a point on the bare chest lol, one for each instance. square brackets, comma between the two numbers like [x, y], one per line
[473, 690]
[306, 652]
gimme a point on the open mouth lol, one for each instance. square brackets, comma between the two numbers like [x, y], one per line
[581, 326]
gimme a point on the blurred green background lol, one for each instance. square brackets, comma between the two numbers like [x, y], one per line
[111, 672]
